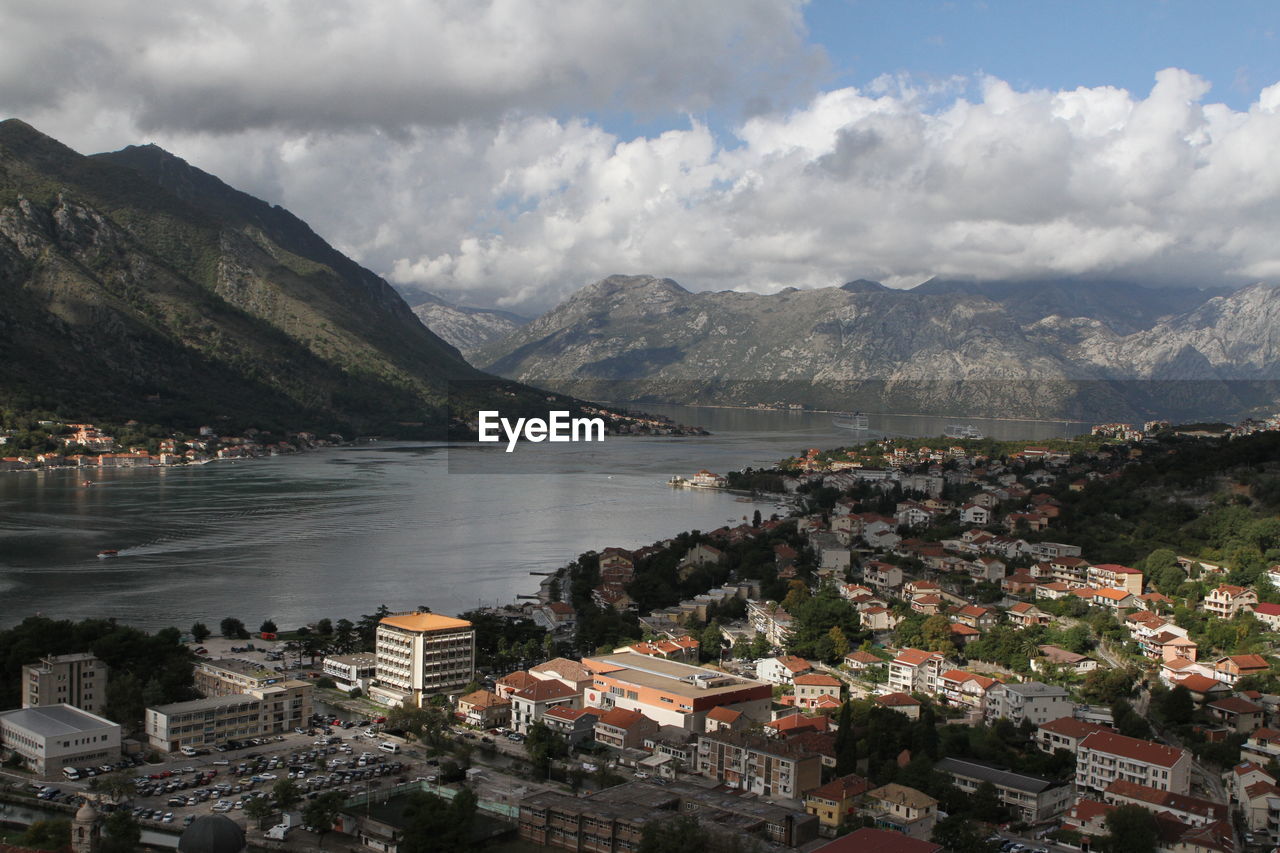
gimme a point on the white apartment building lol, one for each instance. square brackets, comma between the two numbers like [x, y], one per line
[1104, 757]
[1029, 700]
[79, 680]
[915, 671]
[420, 654]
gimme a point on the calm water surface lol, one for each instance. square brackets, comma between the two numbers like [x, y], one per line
[337, 532]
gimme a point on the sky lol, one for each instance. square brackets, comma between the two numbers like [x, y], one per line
[507, 152]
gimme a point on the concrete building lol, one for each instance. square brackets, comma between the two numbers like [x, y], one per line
[1028, 700]
[207, 722]
[1065, 733]
[835, 802]
[902, 809]
[1031, 798]
[1104, 757]
[351, 672]
[79, 680]
[915, 671]
[230, 676]
[670, 692]
[420, 654]
[613, 820]
[576, 724]
[50, 737]
[623, 729]
[531, 704]
[752, 763]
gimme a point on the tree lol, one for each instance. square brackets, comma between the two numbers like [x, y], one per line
[434, 824]
[322, 813]
[200, 632]
[120, 833]
[679, 834]
[959, 834]
[1177, 706]
[543, 746]
[268, 626]
[797, 595]
[115, 785]
[324, 627]
[839, 644]
[47, 835]
[233, 629]
[711, 642]
[259, 809]
[286, 794]
[344, 638]
[1130, 829]
[846, 742]
[937, 634]
[755, 519]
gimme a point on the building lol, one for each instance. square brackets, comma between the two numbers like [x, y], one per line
[1065, 733]
[1031, 798]
[1190, 810]
[965, 689]
[782, 669]
[1241, 715]
[623, 729]
[1232, 668]
[835, 802]
[1032, 701]
[484, 708]
[230, 676]
[613, 820]
[531, 704]
[903, 809]
[903, 703]
[351, 672]
[1228, 600]
[670, 692]
[50, 737]
[1112, 576]
[1268, 614]
[915, 671]
[752, 763]
[1104, 757]
[420, 654]
[208, 722]
[1051, 656]
[78, 680]
[812, 687]
[869, 840]
[577, 725]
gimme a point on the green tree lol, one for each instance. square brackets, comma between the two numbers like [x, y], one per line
[543, 746]
[120, 833]
[259, 809]
[958, 834]
[116, 786]
[233, 629]
[434, 825]
[200, 632]
[1130, 829]
[846, 742]
[1177, 706]
[936, 631]
[286, 794]
[324, 627]
[322, 813]
[47, 835]
[711, 642]
[268, 626]
[797, 595]
[839, 644]
[679, 834]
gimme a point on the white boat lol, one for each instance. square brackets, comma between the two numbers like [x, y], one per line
[857, 421]
[968, 431]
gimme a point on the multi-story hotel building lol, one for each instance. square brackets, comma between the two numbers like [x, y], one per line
[420, 654]
[670, 692]
[79, 680]
[207, 722]
[756, 764]
[1105, 757]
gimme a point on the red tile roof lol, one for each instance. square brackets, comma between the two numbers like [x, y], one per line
[545, 691]
[817, 679]
[1168, 799]
[897, 700]
[1236, 705]
[1133, 748]
[915, 657]
[724, 715]
[621, 718]
[838, 790]
[1071, 727]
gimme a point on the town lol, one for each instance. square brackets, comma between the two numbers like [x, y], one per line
[1062, 646]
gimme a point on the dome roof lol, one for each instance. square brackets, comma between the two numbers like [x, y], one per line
[86, 813]
[212, 834]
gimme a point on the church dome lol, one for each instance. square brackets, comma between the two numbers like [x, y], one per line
[86, 813]
[212, 834]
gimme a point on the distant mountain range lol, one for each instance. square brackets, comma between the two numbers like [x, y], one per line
[133, 285]
[1065, 349]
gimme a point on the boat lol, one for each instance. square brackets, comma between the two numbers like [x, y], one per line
[110, 552]
[968, 431]
[87, 483]
[857, 421]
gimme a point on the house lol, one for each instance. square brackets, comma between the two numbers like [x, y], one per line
[1025, 615]
[965, 689]
[576, 725]
[529, 705]
[1192, 811]
[834, 803]
[1104, 757]
[769, 767]
[769, 620]
[860, 661]
[624, 729]
[810, 687]
[1113, 576]
[878, 618]
[1232, 668]
[1053, 591]
[1052, 656]
[484, 709]
[1237, 712]
[1167, 645]
[976, 616]
[915, 671]
[571, 673]
[792, 724]
[782, 669]
[903, 703]
[1268, 614]
[976, 514]
[1019, 583]
[1065, 733]
[902, 809]
[1031, 799]
[1204, 689]
[962, 635]
[987, 568]
[1263, 743]
[1114, 599]
[884, 577]
[514, 683]
[927, 603]
[1226, 600]
[722, 718]
[1032, 701]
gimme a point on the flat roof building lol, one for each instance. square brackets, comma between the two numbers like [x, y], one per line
[213, 720]
[420, 654]
[1032, 798]
[670, 692]
[79, 680]
[229, 676]
[51, 737]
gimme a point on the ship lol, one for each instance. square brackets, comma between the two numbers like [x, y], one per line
[110, 552]
[857, 421]
[968, 431]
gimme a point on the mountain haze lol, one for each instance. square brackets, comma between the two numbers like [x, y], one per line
[1069, 349]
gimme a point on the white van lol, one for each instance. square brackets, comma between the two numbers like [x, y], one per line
[189, 751]
[71, 773]
[388, 746]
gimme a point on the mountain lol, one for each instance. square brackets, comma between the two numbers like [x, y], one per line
[134, 285]
[948, 348]
[468, 329]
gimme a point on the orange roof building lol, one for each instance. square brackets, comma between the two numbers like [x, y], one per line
[420, 654]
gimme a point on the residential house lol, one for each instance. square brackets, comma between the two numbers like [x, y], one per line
[1268, 614]
[962, 634]
[624, 729]
[1032, 799]
[915, 671]
[571, 673]
[770, 620]
[1065, 733]
[1052, 656]
[870, 840]
[576, 725]
[976, 616]
[513, 683]
[1238, 713]
[1019, 583]
[860, 661]
[1204, 689]
[903, 703]
[906, 810]
[770, 767]
[972, 513]
[1115, 599]
[1226, 601]
[1104, 757]
[965, 689]
[811, 687]
[987, 568]
[1232, 668]
[530, 704]
[1192, 811]
[782, 669]
[927, 603]
[1025, 615]
[1053, 591]
[722, 718]
[835, 802]
[884, 577]
[1262, 743]
[1113, 576]
[1031, 701]
[879, 618]
[484, 708]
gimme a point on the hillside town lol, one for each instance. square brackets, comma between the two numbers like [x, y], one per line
[924, 656]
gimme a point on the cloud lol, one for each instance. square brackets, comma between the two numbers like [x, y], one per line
[476, 149]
